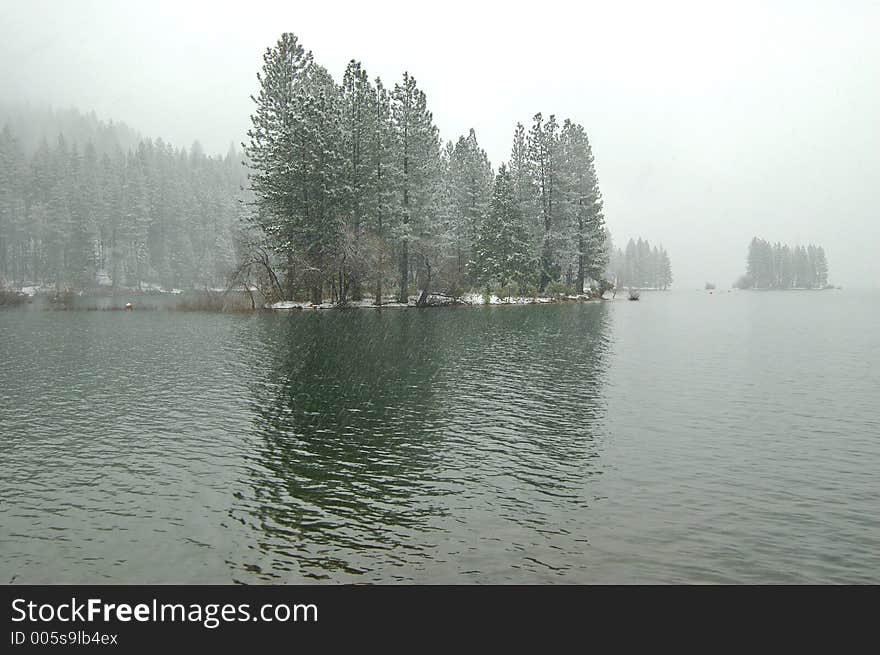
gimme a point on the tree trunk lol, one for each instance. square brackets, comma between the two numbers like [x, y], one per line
[580, 274]
[426, 284]
[378, 298]
[355, 286]
[545, 266]
[403, 296]
[343, 286]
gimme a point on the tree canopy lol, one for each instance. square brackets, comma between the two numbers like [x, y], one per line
[348, 178]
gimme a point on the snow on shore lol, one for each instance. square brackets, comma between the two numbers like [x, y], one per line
[366, 302]
[433, 300]
[479, 299]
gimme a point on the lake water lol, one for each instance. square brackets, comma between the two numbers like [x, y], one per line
[688, 437]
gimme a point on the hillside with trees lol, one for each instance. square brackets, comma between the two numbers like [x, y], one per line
[100, 206]
[31, 125]
[355, 194]
[779, 266]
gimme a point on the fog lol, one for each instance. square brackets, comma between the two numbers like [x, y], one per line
[709, 123]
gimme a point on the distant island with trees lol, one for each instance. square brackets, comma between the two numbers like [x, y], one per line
[779, 266]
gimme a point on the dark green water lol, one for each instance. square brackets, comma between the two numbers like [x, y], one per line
[732, 437]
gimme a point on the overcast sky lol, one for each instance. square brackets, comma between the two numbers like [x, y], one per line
[710, 122]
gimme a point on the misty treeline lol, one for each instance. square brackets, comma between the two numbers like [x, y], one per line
[31, 125]
[110, 208]
[778, 266]
[640, 265]
[355, 194]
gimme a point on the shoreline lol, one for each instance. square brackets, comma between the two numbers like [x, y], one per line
[433, 300]
[828, 288]
[239, 301]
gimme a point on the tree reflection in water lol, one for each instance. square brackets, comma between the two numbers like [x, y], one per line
[393, 441]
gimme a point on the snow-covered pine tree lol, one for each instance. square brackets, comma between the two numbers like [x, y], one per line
[666, 271]
[503, 251]
[58, 226]
[471, 184]
[582, 205]
[417, 161]
[524, 183]
[273, 140]
[821, 268]
[543, 152]
[359, 198]
[447, 220]
[83, 196]
[135, 223]
[13, 229]
[387, 182]
[317, 163]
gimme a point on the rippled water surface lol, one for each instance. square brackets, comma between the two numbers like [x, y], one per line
[689, 437]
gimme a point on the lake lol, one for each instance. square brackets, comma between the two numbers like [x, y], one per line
[687, 437]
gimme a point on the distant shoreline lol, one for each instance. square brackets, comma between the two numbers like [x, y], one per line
[828, 288]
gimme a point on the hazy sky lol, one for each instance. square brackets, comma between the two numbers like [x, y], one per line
[710, 122]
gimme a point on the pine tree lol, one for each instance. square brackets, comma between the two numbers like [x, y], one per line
[666, 270]
[13, 228]
[582, 202]
[821, 268]
[57, 226]
[521, 173]
[470, 182]
[387, 181]
[83, 233]
[135, 226]
[417, 159]
[543, 152]
[502, 252]
[276, 151]
[358, 117]
[760, 263]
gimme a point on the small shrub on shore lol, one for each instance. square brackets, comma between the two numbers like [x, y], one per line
[529, 291]
[604, 287]
[558, 290]
[506, 291]
[457, 292]
[213, 302]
